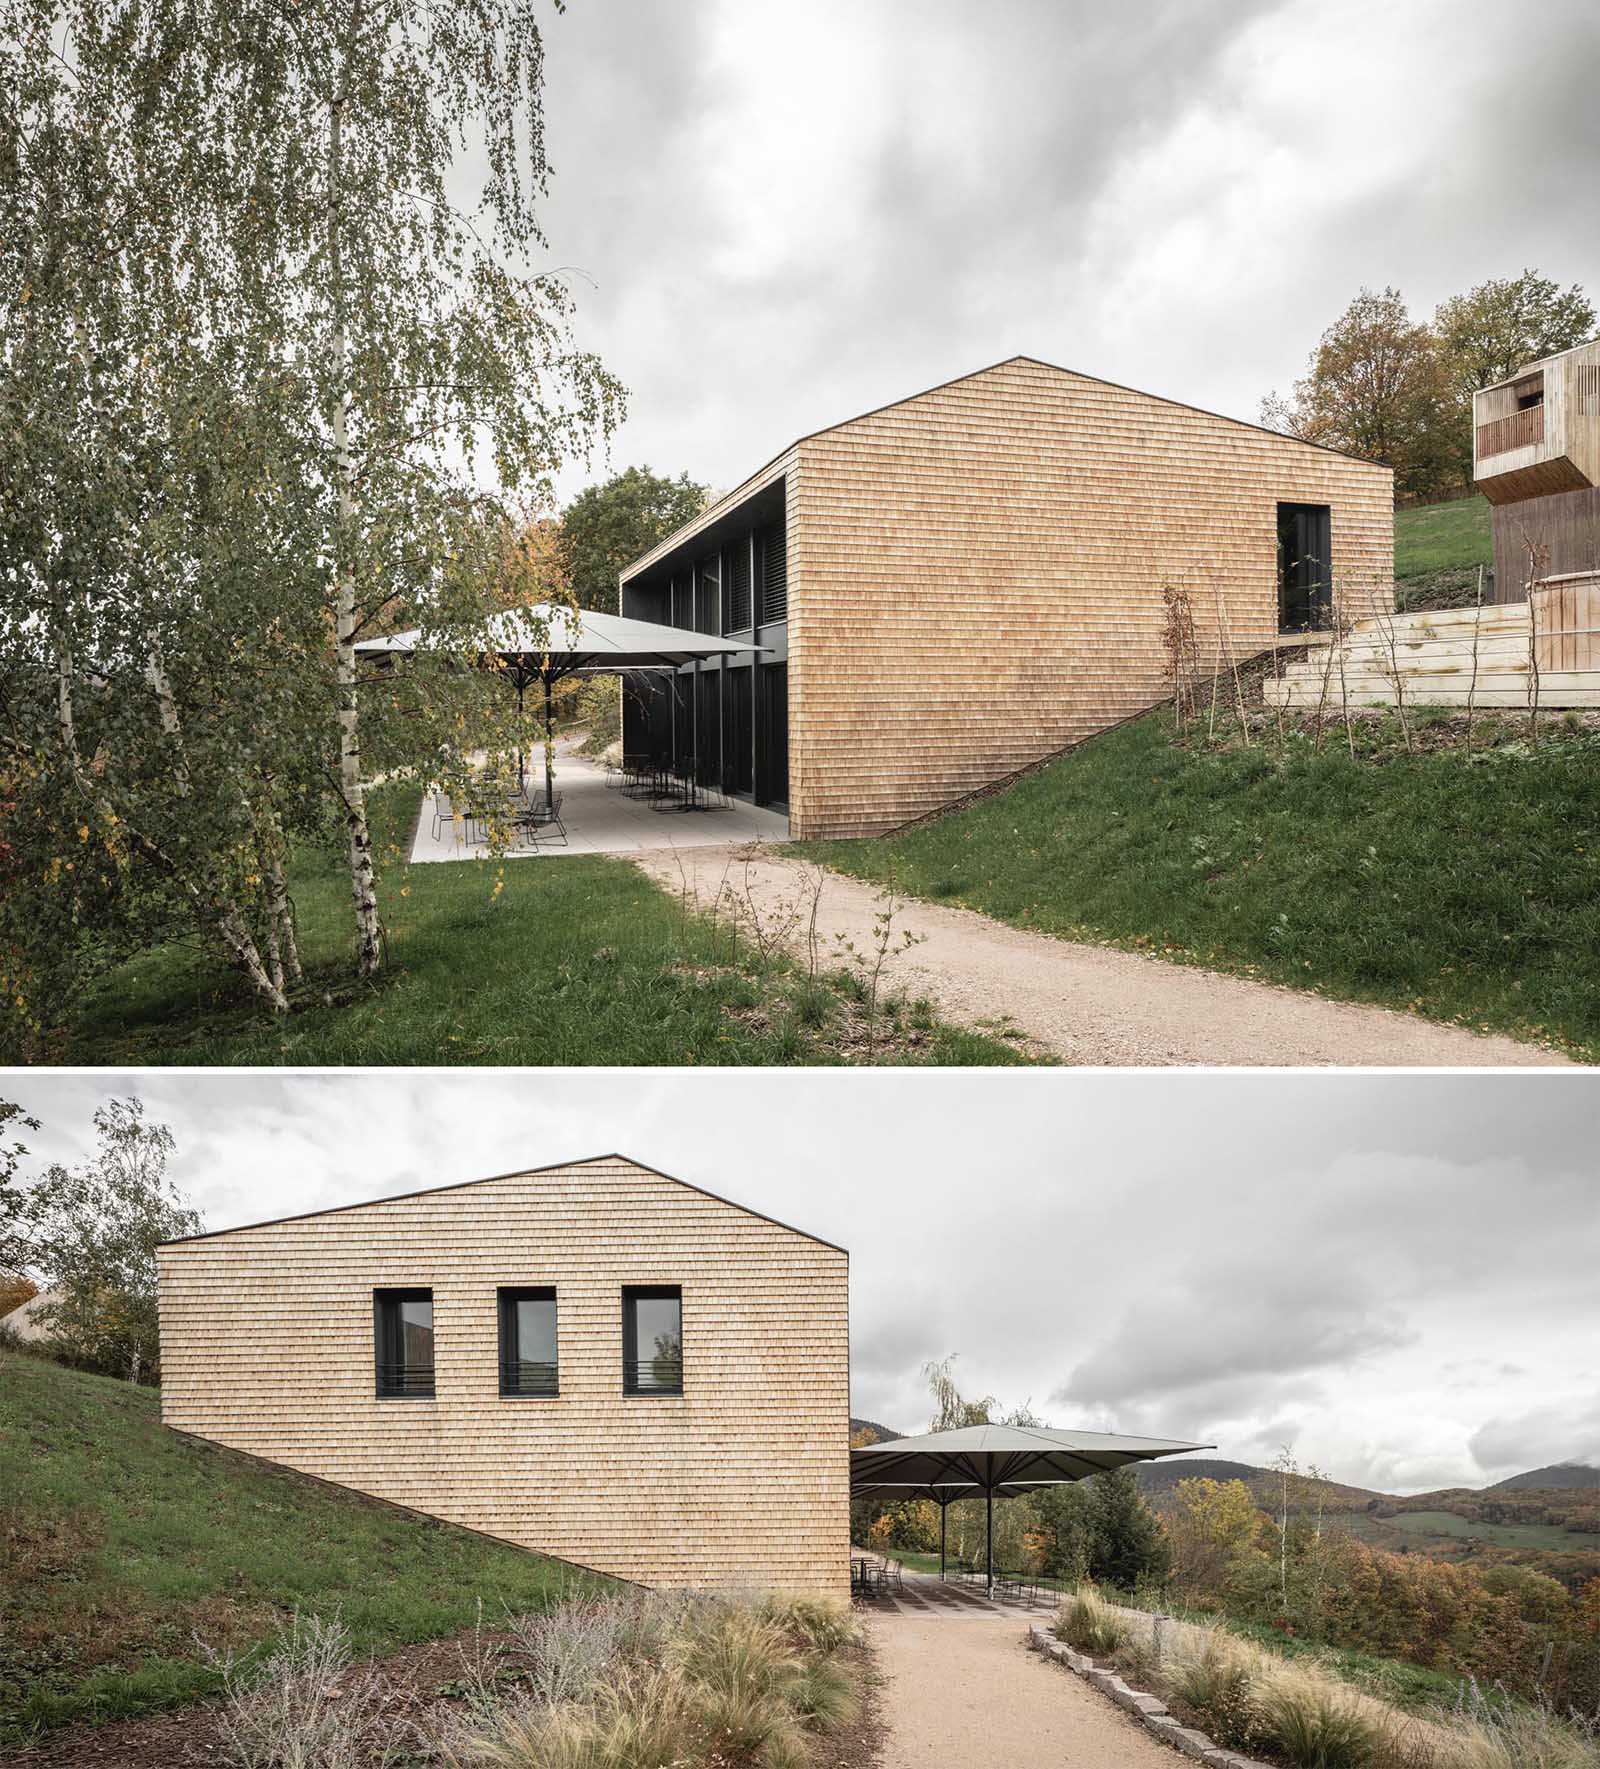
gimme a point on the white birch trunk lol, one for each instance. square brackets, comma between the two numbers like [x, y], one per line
[363, 884]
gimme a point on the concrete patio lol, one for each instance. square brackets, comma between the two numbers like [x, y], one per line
[602, 820]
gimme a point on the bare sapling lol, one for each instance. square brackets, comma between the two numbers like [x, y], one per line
[1472, 682]
[1225, 629]
[1179, 658]
[1535, 574]
[883, 949]
[1335, 642]
[1391, 669]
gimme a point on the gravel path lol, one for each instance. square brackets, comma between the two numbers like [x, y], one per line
[1089, 1004]
[965, 1693]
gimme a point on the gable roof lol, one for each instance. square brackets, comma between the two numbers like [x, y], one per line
[750, 482]
[490, 1179]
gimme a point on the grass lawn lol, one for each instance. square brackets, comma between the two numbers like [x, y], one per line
[1442, 537]
[120, 1541]
[1466, 890]
[567, 961]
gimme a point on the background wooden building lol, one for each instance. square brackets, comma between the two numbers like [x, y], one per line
[500, 1354]
[958, 584]
[1536, 458]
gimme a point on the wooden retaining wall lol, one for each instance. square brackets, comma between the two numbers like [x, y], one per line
[267, 1347]
[1483, 657]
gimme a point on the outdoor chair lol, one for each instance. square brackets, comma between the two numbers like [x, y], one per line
[443, 816]
[544, 816]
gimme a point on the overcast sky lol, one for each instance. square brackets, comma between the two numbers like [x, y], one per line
[787, 215]
[1396, 1276]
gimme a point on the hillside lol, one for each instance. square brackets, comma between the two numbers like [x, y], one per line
[880, 1433]
[1158, 1479]
[1463, 893]
[1438, 549]
[120, 1540]
[1558, 1477]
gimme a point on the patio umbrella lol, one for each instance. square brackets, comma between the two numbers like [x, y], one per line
[547, 641]
[994, 1461]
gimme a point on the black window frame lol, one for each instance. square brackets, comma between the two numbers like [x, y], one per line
[384, 1298]
[630, 1339]
[506, 1298]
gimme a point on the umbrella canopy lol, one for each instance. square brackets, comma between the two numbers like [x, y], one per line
[992, 1462]
[548, 641]
[554, 641]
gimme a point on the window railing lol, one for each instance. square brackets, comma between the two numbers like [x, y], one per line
[655, 1375]
[1516, 430]
[527, 1376]
[405, 1381]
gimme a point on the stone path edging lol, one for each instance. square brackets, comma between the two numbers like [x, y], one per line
[1148, 1710]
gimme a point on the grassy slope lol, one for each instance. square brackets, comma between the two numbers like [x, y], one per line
[576, 961]
[120, 1540]
[1442, 537]
[1470, 892]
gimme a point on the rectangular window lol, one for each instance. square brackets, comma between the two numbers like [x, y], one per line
[737, 602]
[652, 1339]
[774, 598]
[528, 1342]
[403, 1322]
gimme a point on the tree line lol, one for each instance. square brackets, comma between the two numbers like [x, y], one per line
[1390, 388]
[1213, 1549]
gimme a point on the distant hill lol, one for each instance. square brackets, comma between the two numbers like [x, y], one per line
[880, 1433]
[1559, 1476]
[1158, 1479]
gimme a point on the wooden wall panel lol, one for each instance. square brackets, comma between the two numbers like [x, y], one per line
[976, 576]
[267, 1346]
[1565, 528]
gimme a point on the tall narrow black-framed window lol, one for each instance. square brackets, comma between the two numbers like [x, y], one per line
[773, 602]
[736, 604]
[403, 1335]
[652, 1339]
[528, 1362]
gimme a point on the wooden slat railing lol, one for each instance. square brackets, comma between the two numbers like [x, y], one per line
[1516, 430]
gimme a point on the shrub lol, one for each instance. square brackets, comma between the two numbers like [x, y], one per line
[565, 1653]
[302, 1706]
[642, 1721]
[824, 1626]
[1214, 1678]
[1087, 1622]
[1312, 1720]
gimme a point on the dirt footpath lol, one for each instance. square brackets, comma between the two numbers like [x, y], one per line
[966, 1693]
[1089, 1004]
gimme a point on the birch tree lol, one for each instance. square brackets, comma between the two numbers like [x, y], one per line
[275, 377]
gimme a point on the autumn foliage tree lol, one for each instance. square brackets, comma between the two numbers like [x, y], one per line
[607, 526]
[1393, 389]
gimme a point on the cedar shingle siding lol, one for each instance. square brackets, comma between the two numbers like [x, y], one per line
[267, 1347]
[975, 575]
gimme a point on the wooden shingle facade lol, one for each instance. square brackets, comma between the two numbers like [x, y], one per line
[732, 1470]
[974, 580]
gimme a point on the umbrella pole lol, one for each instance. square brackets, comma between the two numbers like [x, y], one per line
[549, 739]
[944, 1512]
[521, 759]
[988, 1539]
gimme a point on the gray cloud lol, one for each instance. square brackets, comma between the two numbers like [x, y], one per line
[789, 217]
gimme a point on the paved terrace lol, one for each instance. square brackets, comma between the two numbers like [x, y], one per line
[603, 820]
